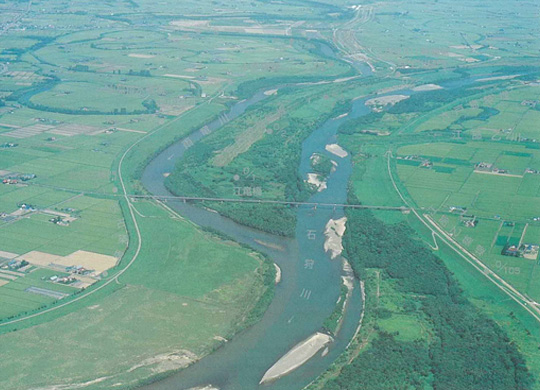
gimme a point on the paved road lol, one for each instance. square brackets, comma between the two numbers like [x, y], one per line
[528, 304]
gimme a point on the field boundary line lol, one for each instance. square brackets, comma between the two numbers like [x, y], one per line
[518, 297]
[137, 231]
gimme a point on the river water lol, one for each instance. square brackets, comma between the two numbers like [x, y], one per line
[306, 295]
[308, 291]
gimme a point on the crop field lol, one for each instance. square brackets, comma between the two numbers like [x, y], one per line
[15, 299]
[469, 164]
[121, 290]
[484, 188]
[77, 97]
[185, 286]
[447, 33]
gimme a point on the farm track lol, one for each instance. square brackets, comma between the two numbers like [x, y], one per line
[131, 208]
[528, 304]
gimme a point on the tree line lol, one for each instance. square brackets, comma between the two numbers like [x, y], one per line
[466, 350]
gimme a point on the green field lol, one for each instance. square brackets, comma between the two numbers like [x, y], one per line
[90, 94]
[178, 300]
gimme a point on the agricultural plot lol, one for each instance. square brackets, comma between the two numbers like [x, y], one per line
[164, 66]
[484, 186]
[83, 247]
[409, 42]
[87, 97]
[28, 291]
[191, 295]
[82, 86]
[46, 221]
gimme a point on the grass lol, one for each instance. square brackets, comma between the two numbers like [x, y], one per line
[121, 319]
[179, 263]
[187, 286]
[199, 284]
[513, 199]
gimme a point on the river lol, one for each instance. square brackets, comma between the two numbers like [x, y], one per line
[306, 295]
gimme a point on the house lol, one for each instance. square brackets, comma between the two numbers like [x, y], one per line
[457, 209]
[469, 221]
[483, 166]
[511, 250]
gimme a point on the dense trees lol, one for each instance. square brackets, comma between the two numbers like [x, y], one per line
[466, 350]
[322, 164]
[274, 158]
[356, 124]
[387, 365]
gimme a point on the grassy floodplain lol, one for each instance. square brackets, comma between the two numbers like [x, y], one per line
[75, 102]
[79, 87]
[433, 156]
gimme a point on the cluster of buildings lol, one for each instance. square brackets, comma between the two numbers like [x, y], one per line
[15, 178]
[26, 207]
[62, 279]
[469, 221]
[58, 220]
[424, 162]
[79, 270]
[528, 251]
[18, 265]
[488, 167]
[530, 103]
[457, 209]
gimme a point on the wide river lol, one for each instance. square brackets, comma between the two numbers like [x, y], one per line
[306, 295]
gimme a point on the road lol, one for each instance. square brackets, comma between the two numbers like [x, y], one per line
[528, 304]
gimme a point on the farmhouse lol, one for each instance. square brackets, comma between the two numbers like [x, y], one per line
[469, 221]
[457, 209]
[483, 166]
[511, 250]
[529, 103]
[529, 251]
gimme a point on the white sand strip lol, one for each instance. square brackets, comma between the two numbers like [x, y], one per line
[317, 181]
[337, 150]
[427, 87]
[335, 228]
[297, 356]
[278, 274]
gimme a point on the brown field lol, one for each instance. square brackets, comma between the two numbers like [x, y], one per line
[88, 260]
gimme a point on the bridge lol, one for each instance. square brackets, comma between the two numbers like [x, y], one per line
[186, 199]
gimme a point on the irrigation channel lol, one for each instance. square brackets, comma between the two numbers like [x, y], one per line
[306, 295]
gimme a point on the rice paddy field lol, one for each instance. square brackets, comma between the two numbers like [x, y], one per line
[79, 94]
[490, 175]
[90, 94]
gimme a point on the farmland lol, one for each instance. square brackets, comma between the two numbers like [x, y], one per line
[102, 285]
[466, 166]
[489, 177]
[76, 101]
